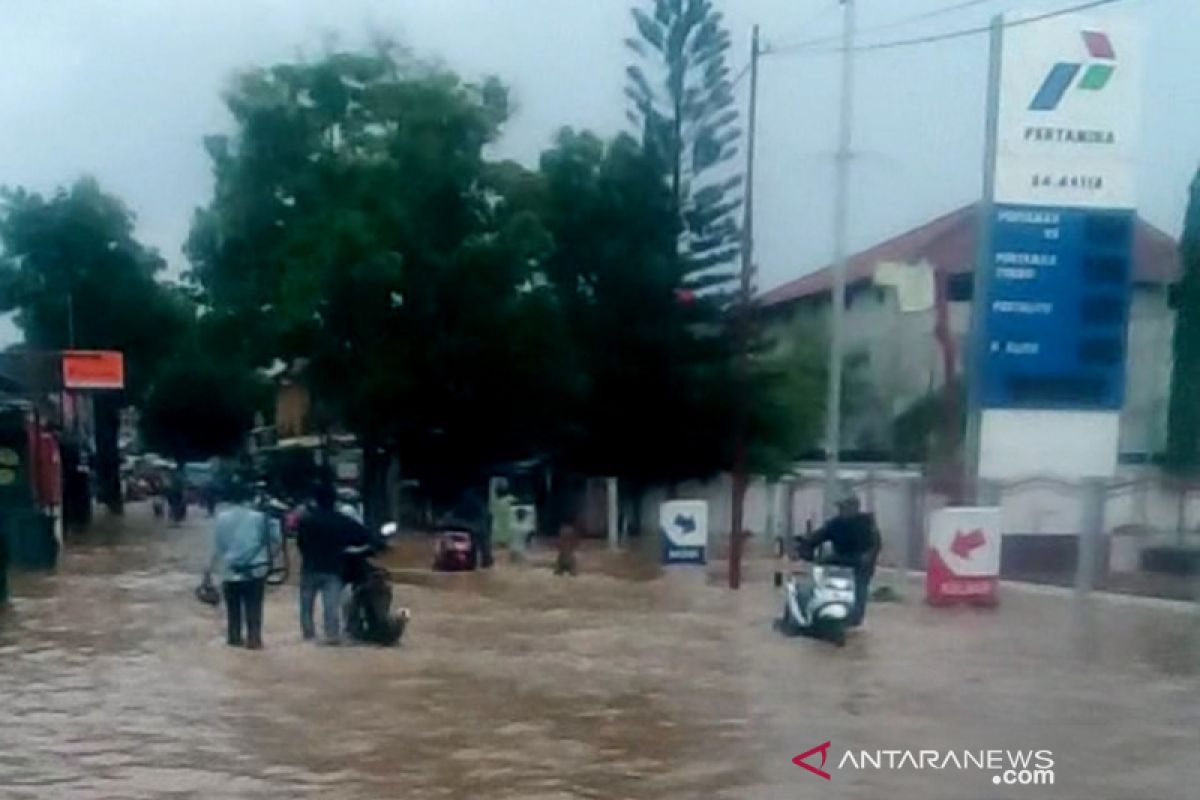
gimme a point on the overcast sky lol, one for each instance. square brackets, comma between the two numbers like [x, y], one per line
[125, 89]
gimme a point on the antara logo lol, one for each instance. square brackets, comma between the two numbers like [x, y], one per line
[1100, 69]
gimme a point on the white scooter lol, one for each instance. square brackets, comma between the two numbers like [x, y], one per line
[818, 602]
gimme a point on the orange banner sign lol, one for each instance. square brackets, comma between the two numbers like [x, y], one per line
[93, 369]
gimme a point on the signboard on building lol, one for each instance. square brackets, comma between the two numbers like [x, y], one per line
[684, 527]
[93, 369]
[1051, 349]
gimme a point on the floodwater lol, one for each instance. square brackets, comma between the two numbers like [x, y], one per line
[623, 682]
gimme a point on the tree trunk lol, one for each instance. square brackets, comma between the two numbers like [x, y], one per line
[108, 451]
[374, 483]
[77, 493]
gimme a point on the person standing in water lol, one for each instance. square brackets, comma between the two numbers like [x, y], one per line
[322, 537]
[243, 541]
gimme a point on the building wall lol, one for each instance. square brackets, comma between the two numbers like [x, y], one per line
[1139, 499]
[902, 363]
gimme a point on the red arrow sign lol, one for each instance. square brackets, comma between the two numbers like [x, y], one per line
[966, 543]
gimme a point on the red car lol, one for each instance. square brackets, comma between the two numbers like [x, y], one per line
[454, 551]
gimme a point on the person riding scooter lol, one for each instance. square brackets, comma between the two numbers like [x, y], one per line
[856, 543]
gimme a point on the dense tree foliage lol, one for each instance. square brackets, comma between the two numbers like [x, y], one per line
[199, 407]
[77, 277]
[658, 389]
[1183, 440]
[452, 309]
[357, 223]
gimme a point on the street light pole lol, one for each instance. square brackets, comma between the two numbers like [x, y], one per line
[738, 505]
[981, 287]
[833, 403]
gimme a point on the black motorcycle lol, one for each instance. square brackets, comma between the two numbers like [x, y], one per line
[367, 611]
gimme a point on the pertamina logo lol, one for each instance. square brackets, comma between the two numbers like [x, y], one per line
[1097, 71]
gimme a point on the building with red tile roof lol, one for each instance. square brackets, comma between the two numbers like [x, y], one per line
[898, 358]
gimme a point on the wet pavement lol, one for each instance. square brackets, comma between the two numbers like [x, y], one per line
[623, 682]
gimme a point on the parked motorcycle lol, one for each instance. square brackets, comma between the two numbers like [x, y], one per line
[367, 609]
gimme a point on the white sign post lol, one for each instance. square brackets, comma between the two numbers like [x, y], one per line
[684, 527]
[1051, 294]
[963, 559]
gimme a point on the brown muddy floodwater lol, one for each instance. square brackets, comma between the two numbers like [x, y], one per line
[620, 683]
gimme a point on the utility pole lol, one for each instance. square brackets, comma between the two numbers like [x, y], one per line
[833, 403]
[71, 318]
[736, 533]
[981, 287]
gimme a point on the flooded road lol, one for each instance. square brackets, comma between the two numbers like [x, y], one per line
[620, 683]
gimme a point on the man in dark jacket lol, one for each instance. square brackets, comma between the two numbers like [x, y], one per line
[322, 538]
[856, 544]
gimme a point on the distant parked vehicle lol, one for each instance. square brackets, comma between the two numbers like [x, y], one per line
[454, 550]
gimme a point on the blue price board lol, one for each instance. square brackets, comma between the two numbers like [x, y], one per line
[1057, 309]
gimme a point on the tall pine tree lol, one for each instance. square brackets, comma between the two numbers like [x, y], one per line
[682, 102]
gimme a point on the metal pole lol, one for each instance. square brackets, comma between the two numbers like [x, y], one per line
[983, 269]
[614, 531]
[736, 536]
[833, 403]
[772, 522]
[1095, 493]
[71, 318]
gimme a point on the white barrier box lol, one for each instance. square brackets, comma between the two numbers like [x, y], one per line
[963, 556]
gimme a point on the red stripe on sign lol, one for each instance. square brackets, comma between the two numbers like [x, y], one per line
[1099, 45]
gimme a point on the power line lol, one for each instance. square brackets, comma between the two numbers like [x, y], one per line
[958, 34]
[937, 12]
[742, 73]
[1062, 12]
[810, 22]
[885, 26]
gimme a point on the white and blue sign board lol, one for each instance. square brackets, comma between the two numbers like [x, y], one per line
[684, 527]
[1049, 368]
[1057, 310]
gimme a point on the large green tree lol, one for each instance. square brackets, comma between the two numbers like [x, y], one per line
[77, 276]
[649, 409]
[1183, 439]
[199, 407]
[358, 223]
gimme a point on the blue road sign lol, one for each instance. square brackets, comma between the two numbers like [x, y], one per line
[1058, 308]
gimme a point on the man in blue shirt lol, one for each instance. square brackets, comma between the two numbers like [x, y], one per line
[243, 541]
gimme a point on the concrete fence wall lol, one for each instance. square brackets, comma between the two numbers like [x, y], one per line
[1039, 510]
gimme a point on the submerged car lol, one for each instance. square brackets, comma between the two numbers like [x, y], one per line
[454, 551]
